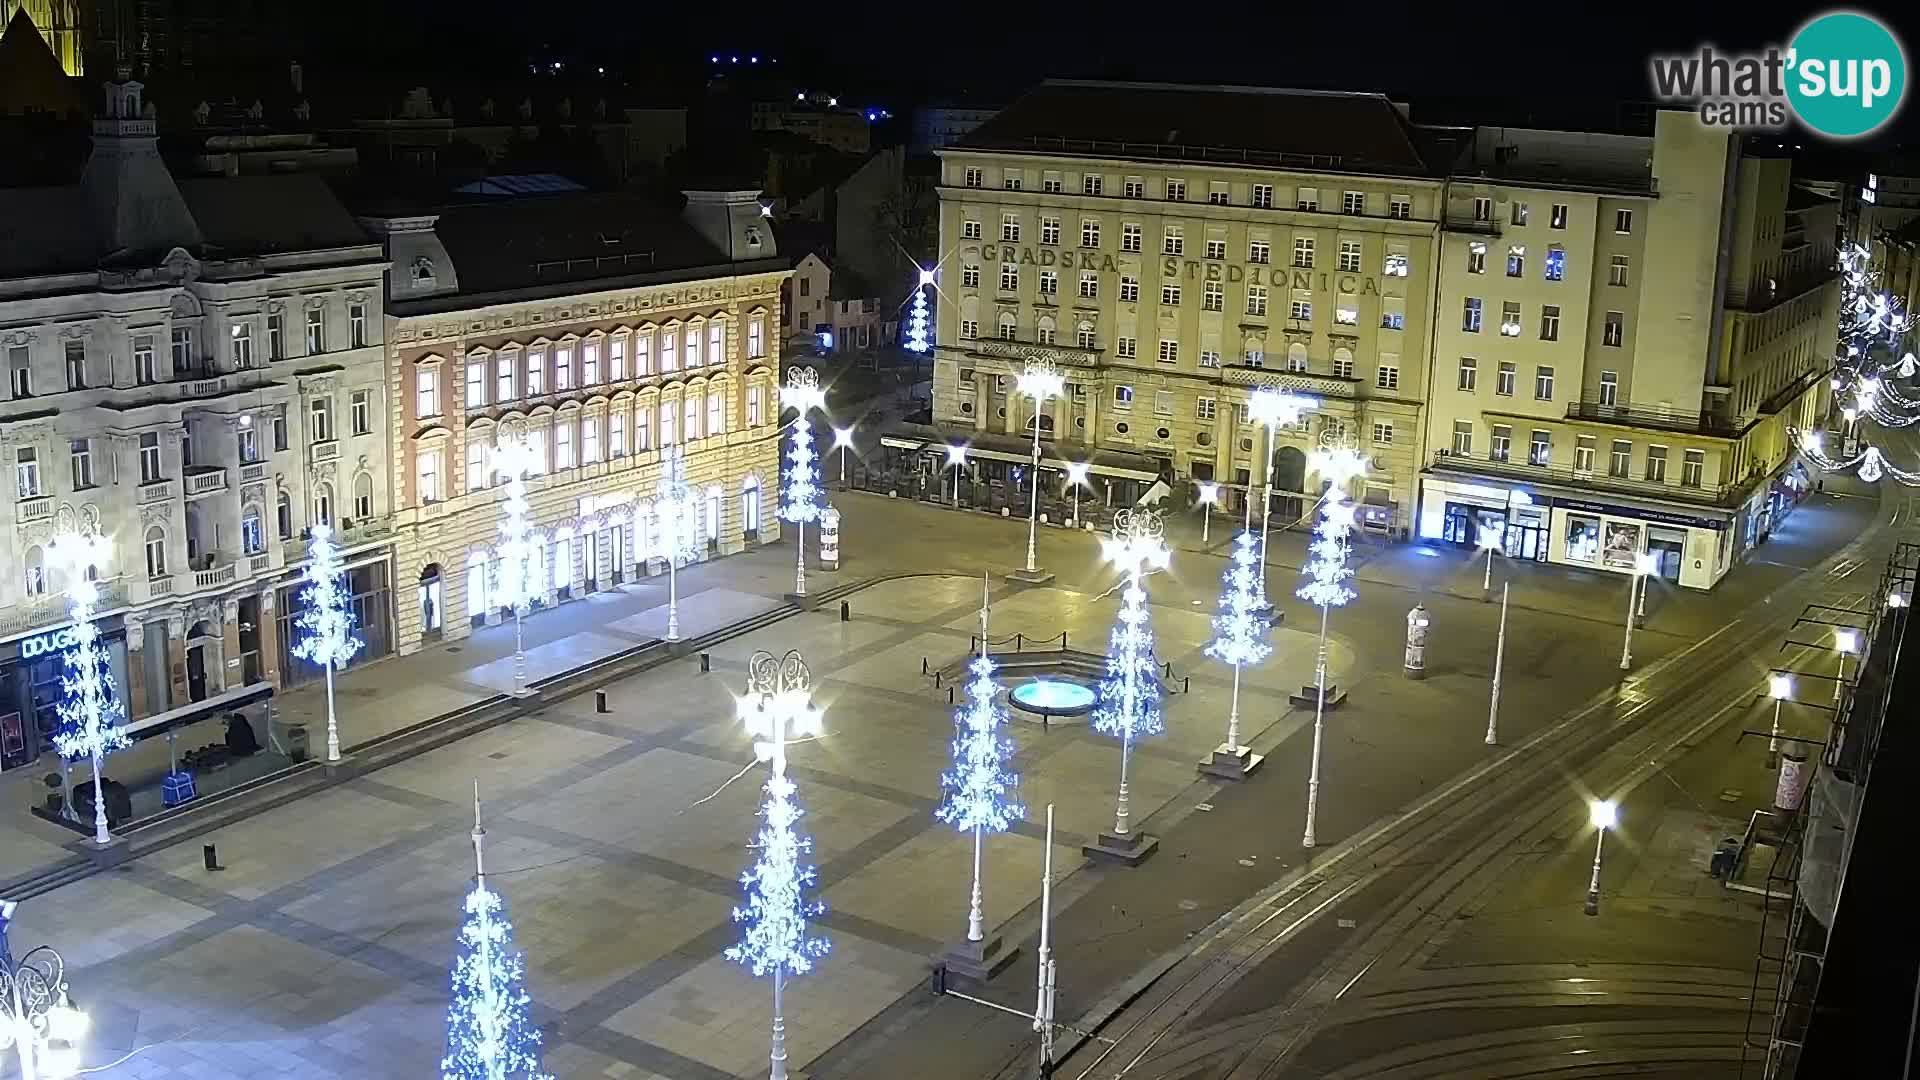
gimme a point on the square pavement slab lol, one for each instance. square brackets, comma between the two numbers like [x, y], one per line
[547, 660]
[700, 613]
[98, 919]
[922, 886]
[506, 760]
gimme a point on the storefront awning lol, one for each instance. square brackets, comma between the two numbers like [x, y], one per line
[250, 694]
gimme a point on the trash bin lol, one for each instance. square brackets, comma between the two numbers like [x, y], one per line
[297, 743]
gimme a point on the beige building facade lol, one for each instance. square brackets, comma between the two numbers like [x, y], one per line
[603, 374]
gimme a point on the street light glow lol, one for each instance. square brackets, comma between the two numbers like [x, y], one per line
[1209, 493]
[1603, 813]
[1779, 686]
[842, 436]
[956, 455]
[1645, 563]
[1846, 641]
[1077, 472]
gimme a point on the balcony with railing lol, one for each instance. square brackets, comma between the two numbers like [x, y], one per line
[33, 509]
[205, 480]
[323, 451]
[1652, 416]
[155, 491]
[160, 586]
[216, 575]
[1300, 382]
[253, 472]
[1519, 469]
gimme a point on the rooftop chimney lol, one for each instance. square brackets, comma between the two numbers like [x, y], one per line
[732, 221]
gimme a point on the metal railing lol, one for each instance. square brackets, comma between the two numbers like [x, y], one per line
[1649, 416]
[1716, 495]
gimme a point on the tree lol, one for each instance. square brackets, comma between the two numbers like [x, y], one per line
[490, 1034]
[1239, 630]
[93, 719]
[979, 787]
[327, 625]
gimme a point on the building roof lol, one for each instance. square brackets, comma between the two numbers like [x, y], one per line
[30, 75]
[46, 230]
[269, 215]
[1356, 132]
[522, 243]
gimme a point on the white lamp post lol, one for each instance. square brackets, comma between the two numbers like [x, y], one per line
[1209, 494]
[1077, 479]
[514, 458]
[1499, 660]
[1779, 688]
[1846, 642]
[1339, 464]
[1128, 708]
[1271, 408]
[676, 517]
[1040, 381]
[1643, 564]
[94, 717]
[956, 457]
[37, 1020]
[1489, 541]
[1604, 815]
[843, 441]
[802, 392]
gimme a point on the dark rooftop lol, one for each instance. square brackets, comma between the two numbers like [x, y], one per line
[269, 215]
[1311, 129]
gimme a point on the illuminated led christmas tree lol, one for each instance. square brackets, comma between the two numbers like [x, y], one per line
[490, 1032]
[802, 489]
[1128, 697]
[1326, 585]
[1239, 639]
[92, 717]
[980, 787]
[326, 626]
[918, 316]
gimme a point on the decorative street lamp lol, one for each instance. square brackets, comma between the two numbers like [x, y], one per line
[677, 526]
[1337, 462]
[1604, 815]
[1209, 494]
[490, 1029]
[1499, 661]
[514, 458]
[956, 457]
[1779, 688]
[1129, 693]
[93, 718]
[843, 441]
[37, 1020]
[1077, 479]
[1846, 642]
[1488, 541]
[1271, 409]
[1040, 381]
[802, 393]
[327, 624]
[1239, 639]
[1643, 564]
[778, 705]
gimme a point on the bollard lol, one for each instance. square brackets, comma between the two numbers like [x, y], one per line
[599, 701]
[936, 680]
[706, 663]
[846, 611]
[923, 660]
[949, 695]
[1186, 684]
[210, 857]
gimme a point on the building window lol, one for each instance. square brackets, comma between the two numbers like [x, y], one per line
[1009, 228]
[1382, 433]
[1617, 270]
[1216, 249]
[590, 360]
[1509, 319]
[1396, 264]
[476, 383]
[316, 331]
[143, 360]
[694, 357]
[1392, 316]
[1009, 277]
[1613, 331]
[1173, 241]
[1540, 451]
[1307, 199]
[1657, 464]
[969, 329]
[1050, 183]
[1162, 404]
[1176, 191]
[643, 353]
[1050, 230]
[1125, 348]
[1463, 438]
[1091, 183]
[1693, 466]
[1482, 208]
[320, 420]
[1262, 196]
[756, 338]
[1470, 318]
[1129, 290]
[1089, 284]
[1170, 295]
[642, 428]
[1556, 263]
[617, 358]
[1500, 446]
[183, 354]
[1303, 252]
[76, 357]
[974, 178]
[1550, 322]
[249, 445]
[1049, 283]
[429, 475]
[504, 364]
[1349, 256]
[1504, 379]
[276, 335]
[1301, 308]
[1342, 364]
[1203, 408]
[669, 423]
[1476, 258]
[1256, 300]
[1559, 217]
[1346, 311]
[156, 551]
[357, 325]
[360, 412]
[1519, 213]
[1516, 260]
[1084, 336]
[1621, 459]
[283, 515]
[1043, 333]
[280, 441]
[1353, 202]
[1217, 194]
[1543, 383]
[1583, 454]
[1089, 233]
[969, 230]
[426, 393]
[1214, 298]
[81, 452]
[1135, 188]
[1169, 351]
[1209, 358]
[26, 471]
[1007, 327]
[1623, 221]
[1259, 251]
[1123, 397]
[1469, 374]
[1010, 180]
[1399, 206]
[969, 277]
[1387, 376]
[1609, 388]
[1129, 237]
[1297, 358]
[253, 531]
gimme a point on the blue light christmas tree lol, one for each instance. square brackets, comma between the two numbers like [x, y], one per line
[326, 627]
[1128, 697]
[92, 717]
[918, 317]
[1239, 637]
[980, 788]
[490, 1032]
[802, 489]
[1326, 585]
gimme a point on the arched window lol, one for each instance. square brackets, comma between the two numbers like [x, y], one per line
[283, 515]
[713, 514]
[642, 542]
[362, 497]
[1084, 337]
[253, 530]
[323, 503]
[1007, 326]
[36, 570]
[423, 272]
[750, 505]
[1043, 331]
[1296, 357]
[1255, 353]
[477, 585]
[156, 552]
[1343, 363]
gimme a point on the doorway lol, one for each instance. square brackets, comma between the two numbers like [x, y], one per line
[1668, 547]
[429, 600]
[200, 661]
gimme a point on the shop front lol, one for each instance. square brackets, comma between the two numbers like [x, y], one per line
[1690, 550]
[1459, 513]
[369, 585]
[31, 670]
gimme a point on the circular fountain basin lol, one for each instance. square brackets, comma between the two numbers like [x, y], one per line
[1053, 697]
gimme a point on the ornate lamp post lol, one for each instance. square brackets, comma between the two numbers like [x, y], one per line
[1780, 689]
[514, 458]
[1339, 463]
[956, 457]
[1040, 381]
[1129, 694]
[843, 441]
[778, 705]
[1271, 409]
[1077, 479]
[1209, 494]
[37, 1020]
[802, 393]
[1604, 815]
[676, 512]
[1643, 564]
[93, 716]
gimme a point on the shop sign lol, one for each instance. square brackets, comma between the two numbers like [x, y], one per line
[1660, 516]
[52, 641]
